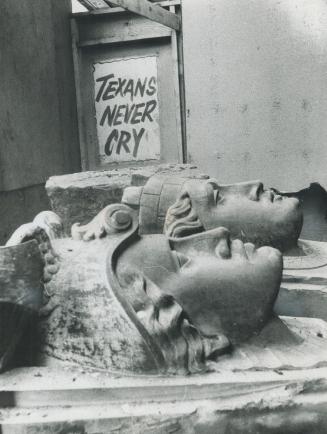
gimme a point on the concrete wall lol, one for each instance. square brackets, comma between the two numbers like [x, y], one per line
[256, 81]
[38, 123]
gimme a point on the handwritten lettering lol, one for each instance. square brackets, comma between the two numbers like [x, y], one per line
[122, 140]
[127, 109]
[112, 87]
[128, 114]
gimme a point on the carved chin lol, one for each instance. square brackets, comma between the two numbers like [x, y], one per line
[280, 234]
[281, 242]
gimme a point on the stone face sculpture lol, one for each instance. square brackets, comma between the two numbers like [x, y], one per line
[123, 301]
[180, 206]
[158, 286]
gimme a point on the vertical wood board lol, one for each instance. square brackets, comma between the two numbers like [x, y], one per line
[38, 131]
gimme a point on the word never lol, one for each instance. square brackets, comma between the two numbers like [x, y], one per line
[133, 114]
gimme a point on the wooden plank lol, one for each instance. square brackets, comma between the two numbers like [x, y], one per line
[168, 3]
[175, 83]
[37, 117]
[93, 4]
[75, 39]
[120, 27]
[114, 10]
[104, 11]
[125, 38]
[182, 93]
[152, 11]
[86, 5]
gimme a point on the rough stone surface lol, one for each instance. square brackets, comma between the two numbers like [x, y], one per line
[80, 196]
[83, 323]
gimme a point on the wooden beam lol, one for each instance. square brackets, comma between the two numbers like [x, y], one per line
[151, 11]
[126, 38]
[93, 4]
[166, 3]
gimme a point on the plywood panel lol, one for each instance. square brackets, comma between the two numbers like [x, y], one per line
[255, 74]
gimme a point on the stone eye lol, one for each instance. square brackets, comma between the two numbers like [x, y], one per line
[182, 259]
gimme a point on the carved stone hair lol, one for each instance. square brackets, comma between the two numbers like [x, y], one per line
[182, 347]
[181, 218]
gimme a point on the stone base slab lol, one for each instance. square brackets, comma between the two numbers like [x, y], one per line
[40, 400]
[277, 389]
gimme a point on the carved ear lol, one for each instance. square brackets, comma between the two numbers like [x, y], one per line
[204, 242]
[112, 219]
[181, 219]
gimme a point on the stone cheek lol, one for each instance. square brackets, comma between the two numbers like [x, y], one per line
[83, 323]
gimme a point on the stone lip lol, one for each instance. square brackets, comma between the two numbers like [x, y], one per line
[78, 197]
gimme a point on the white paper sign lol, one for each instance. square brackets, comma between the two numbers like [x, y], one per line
[126, 106]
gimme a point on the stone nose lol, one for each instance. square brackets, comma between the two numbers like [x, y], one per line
[250, 189]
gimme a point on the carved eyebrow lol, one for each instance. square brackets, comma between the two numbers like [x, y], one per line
[213, 182]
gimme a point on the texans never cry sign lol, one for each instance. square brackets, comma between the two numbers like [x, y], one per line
[126, 106]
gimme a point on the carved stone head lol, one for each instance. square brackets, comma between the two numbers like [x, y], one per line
[189, 298]
[181, 206]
